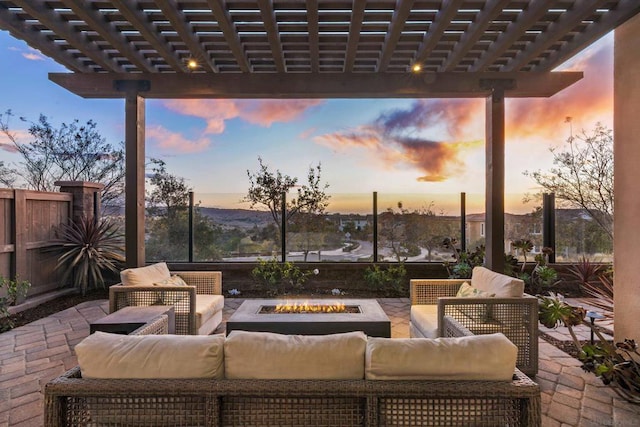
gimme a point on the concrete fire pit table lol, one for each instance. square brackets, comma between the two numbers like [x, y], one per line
[364, 315]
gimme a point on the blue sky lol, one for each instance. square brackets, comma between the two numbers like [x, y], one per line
[404, 149]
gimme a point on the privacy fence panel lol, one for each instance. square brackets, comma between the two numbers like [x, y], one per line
[28, 227]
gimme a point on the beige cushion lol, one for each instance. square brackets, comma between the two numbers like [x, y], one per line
[145, 276]
[501, 285]
[425, 319]
[103, 355]
[480, 357]
[264, 355]
[206, 307]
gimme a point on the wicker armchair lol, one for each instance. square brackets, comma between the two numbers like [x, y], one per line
[517, 318]
[198, 306]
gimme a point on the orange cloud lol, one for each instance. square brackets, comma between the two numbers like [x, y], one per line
[588, 101]
[175, 142]
[214, 111]
[265, 112]
[261, 112]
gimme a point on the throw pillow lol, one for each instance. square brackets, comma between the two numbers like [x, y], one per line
[170, 297]
[468, 291]
[478, 313]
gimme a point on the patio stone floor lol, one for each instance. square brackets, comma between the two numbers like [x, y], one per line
[33, 354]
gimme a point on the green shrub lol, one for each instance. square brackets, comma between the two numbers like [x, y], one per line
[390, 281]
[15, 289]
[280, 277]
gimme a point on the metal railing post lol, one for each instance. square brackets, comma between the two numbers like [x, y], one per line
[463, 221]
[375, 226]
[549, 224]
[190, 226]
[283, 229]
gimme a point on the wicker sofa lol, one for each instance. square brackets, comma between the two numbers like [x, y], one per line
[198, 305]
[72, 400]
[509, 311]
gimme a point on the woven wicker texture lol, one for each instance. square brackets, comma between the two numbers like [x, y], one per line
[516, 318]
[158, 326]
[73, 401]
[183, 300]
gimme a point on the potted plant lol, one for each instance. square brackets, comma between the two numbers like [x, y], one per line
[617, 365]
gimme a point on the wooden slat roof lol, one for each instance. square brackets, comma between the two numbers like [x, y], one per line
[313, 36]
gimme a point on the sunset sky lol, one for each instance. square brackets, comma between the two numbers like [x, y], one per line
[415, 151]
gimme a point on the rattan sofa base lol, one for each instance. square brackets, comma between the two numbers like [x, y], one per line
[71, 400]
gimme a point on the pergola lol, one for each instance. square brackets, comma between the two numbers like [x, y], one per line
[138, 49]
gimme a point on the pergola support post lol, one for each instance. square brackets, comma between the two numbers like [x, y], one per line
[494, 189]
[135, 171]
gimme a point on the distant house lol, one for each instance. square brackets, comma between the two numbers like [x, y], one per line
[354, 222]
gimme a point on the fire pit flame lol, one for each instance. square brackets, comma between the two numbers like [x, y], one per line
[305, 307]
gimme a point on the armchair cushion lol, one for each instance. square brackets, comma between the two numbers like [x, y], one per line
[103, 355]
[501, 285]
[265, 355]
[206, 307]
[425, 318]
[478, 357]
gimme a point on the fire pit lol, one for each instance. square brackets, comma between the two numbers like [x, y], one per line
[311, 317]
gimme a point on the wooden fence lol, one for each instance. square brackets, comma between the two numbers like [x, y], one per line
[28, 221]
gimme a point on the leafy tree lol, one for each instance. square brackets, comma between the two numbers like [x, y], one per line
[429, 229]
[393, 232]
[72, 152]
[7, 175]
[167, 205]
[583, 175]
[267, 188]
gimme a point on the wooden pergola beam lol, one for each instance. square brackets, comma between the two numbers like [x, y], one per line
[108, 32]
[555, 32]
[437, 28]
[273, 35]
[400, 15]
[185, 31]
[140, 22]
[314, 38]
[485, 18]
[355, 26]
[321, 85]
[64, 30]
[595, 30]
[219, 9]
[534, 11]
[39, 41]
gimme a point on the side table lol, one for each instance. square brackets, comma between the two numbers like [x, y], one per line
[128, 319]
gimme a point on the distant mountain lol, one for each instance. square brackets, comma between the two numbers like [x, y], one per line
[237, 218]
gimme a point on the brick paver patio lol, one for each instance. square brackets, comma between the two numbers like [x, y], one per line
[33, 354]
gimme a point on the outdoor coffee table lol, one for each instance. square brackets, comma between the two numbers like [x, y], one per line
[369, 318]
[128, 319]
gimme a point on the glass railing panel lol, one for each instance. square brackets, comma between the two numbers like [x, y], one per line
[228, 229]
[167, 234]
[578, 234]
[343, 232]
[414, 227]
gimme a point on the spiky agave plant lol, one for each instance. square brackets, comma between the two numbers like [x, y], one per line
[89, 248]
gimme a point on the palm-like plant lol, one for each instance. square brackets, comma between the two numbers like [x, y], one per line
[88, 249]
